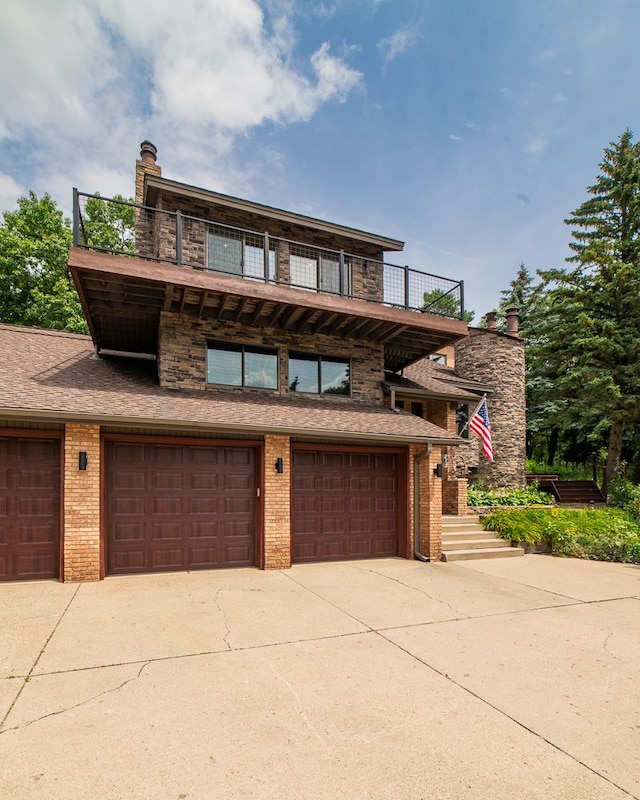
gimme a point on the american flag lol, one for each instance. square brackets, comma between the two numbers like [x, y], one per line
[479, 423]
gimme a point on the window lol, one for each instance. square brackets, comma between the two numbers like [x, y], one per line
[238, 253]
[313, 269]
[438, 358]
[239, 365]
[462, 417]
[319, 375]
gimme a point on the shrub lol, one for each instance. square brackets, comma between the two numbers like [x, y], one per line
[607, 534]
[625, 494]
[477, 496]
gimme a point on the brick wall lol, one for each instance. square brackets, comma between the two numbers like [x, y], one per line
[183, 346]
[430, 505]
[277, 501]
[81, 504]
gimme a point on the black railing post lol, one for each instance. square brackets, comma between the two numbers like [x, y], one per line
[266, 257]
[406, 287]
[341, 277]
[76, 218]
[178, 238]
[461, 299]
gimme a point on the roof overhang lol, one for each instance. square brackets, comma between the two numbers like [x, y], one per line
[155, 184]
[123, 298]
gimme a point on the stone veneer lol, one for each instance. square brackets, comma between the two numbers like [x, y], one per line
[277, 503]
[497, 359]
[182, 354]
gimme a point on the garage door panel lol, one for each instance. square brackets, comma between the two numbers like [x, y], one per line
[193, 506]
[344, 505]
[129, 532]
[29, 507]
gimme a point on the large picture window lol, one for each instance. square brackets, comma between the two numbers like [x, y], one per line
[319, 374]
[241, 365]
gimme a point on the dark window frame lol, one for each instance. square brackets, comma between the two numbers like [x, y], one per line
[243, 349]
[311, 358]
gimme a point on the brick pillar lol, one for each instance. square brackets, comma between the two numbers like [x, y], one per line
[454, 495]
[430, 506]
[81, 504]
[277, 503]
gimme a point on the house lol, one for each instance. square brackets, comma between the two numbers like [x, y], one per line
[239, 402]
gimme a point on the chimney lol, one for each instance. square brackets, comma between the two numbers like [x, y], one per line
[513, 321]
[490, 318]
[148, 152]
[145, 165]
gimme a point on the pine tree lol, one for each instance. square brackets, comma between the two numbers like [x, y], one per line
[591, 333]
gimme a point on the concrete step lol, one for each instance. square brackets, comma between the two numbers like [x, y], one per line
[476, 533]
[464, 538]
[472, 555]
[472, 544]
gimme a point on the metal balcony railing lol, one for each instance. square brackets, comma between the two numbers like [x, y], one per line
[113, 225]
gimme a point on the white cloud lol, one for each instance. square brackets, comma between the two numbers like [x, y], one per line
[455, 138]
[399, 41]
[536, 145]
[10, 191]
[96, 76]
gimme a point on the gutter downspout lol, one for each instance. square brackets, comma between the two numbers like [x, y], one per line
[416, 504]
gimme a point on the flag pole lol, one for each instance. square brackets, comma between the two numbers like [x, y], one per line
[471, 416]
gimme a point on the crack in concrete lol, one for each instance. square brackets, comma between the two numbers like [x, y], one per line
[39, 656]
[508, 716]
[225, 619]
[459, 614]
[76, 705]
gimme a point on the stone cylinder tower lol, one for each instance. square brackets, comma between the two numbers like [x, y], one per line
[497, 360]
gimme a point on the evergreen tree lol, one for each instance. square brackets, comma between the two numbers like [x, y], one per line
[590, 335]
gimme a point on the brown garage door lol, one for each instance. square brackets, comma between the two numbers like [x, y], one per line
[176, 507]
[29, 508]
[344, 505]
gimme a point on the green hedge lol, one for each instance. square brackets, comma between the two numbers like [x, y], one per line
[607, 534]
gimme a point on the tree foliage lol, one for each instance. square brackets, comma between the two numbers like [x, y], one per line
[35, 285]
[444, 304]
[588, 327]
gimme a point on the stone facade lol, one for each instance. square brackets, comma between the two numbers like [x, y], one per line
[182, 354]
[497, 359]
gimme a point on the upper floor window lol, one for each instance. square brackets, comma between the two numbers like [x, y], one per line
[438, 358]
[319, 374]
[315, 269]
[238, 253]
[241, 365]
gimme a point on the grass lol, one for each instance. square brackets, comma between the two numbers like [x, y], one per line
[608, 534]
[564, 470]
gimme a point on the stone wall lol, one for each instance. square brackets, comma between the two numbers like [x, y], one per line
[497, 359]
[182, 354]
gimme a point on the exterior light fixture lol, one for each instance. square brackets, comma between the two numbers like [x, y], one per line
[438, 471]
[82, 459]
[279, 466]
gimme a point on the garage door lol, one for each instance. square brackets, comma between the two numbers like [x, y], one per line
[344, 505]
[177, 507]
[29, 508]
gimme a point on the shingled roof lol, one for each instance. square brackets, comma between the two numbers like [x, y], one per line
[54, 375]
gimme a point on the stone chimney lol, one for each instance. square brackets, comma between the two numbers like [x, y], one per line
[513, 321]
[490, 317]
[145, 165]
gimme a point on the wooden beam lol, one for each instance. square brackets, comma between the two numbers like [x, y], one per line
[204, 296]
[241, 307]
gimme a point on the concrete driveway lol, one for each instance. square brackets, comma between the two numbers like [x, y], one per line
[372, 679]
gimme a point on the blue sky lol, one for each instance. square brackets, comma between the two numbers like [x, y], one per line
[469, 129]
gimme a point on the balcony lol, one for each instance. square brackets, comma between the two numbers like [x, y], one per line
[255, 278]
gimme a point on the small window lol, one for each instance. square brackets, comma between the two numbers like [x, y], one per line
[240, 365]
[416, 409]
[438, 358]
[462, 417]
[238, 253]
[319, 375]
[315, 269]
